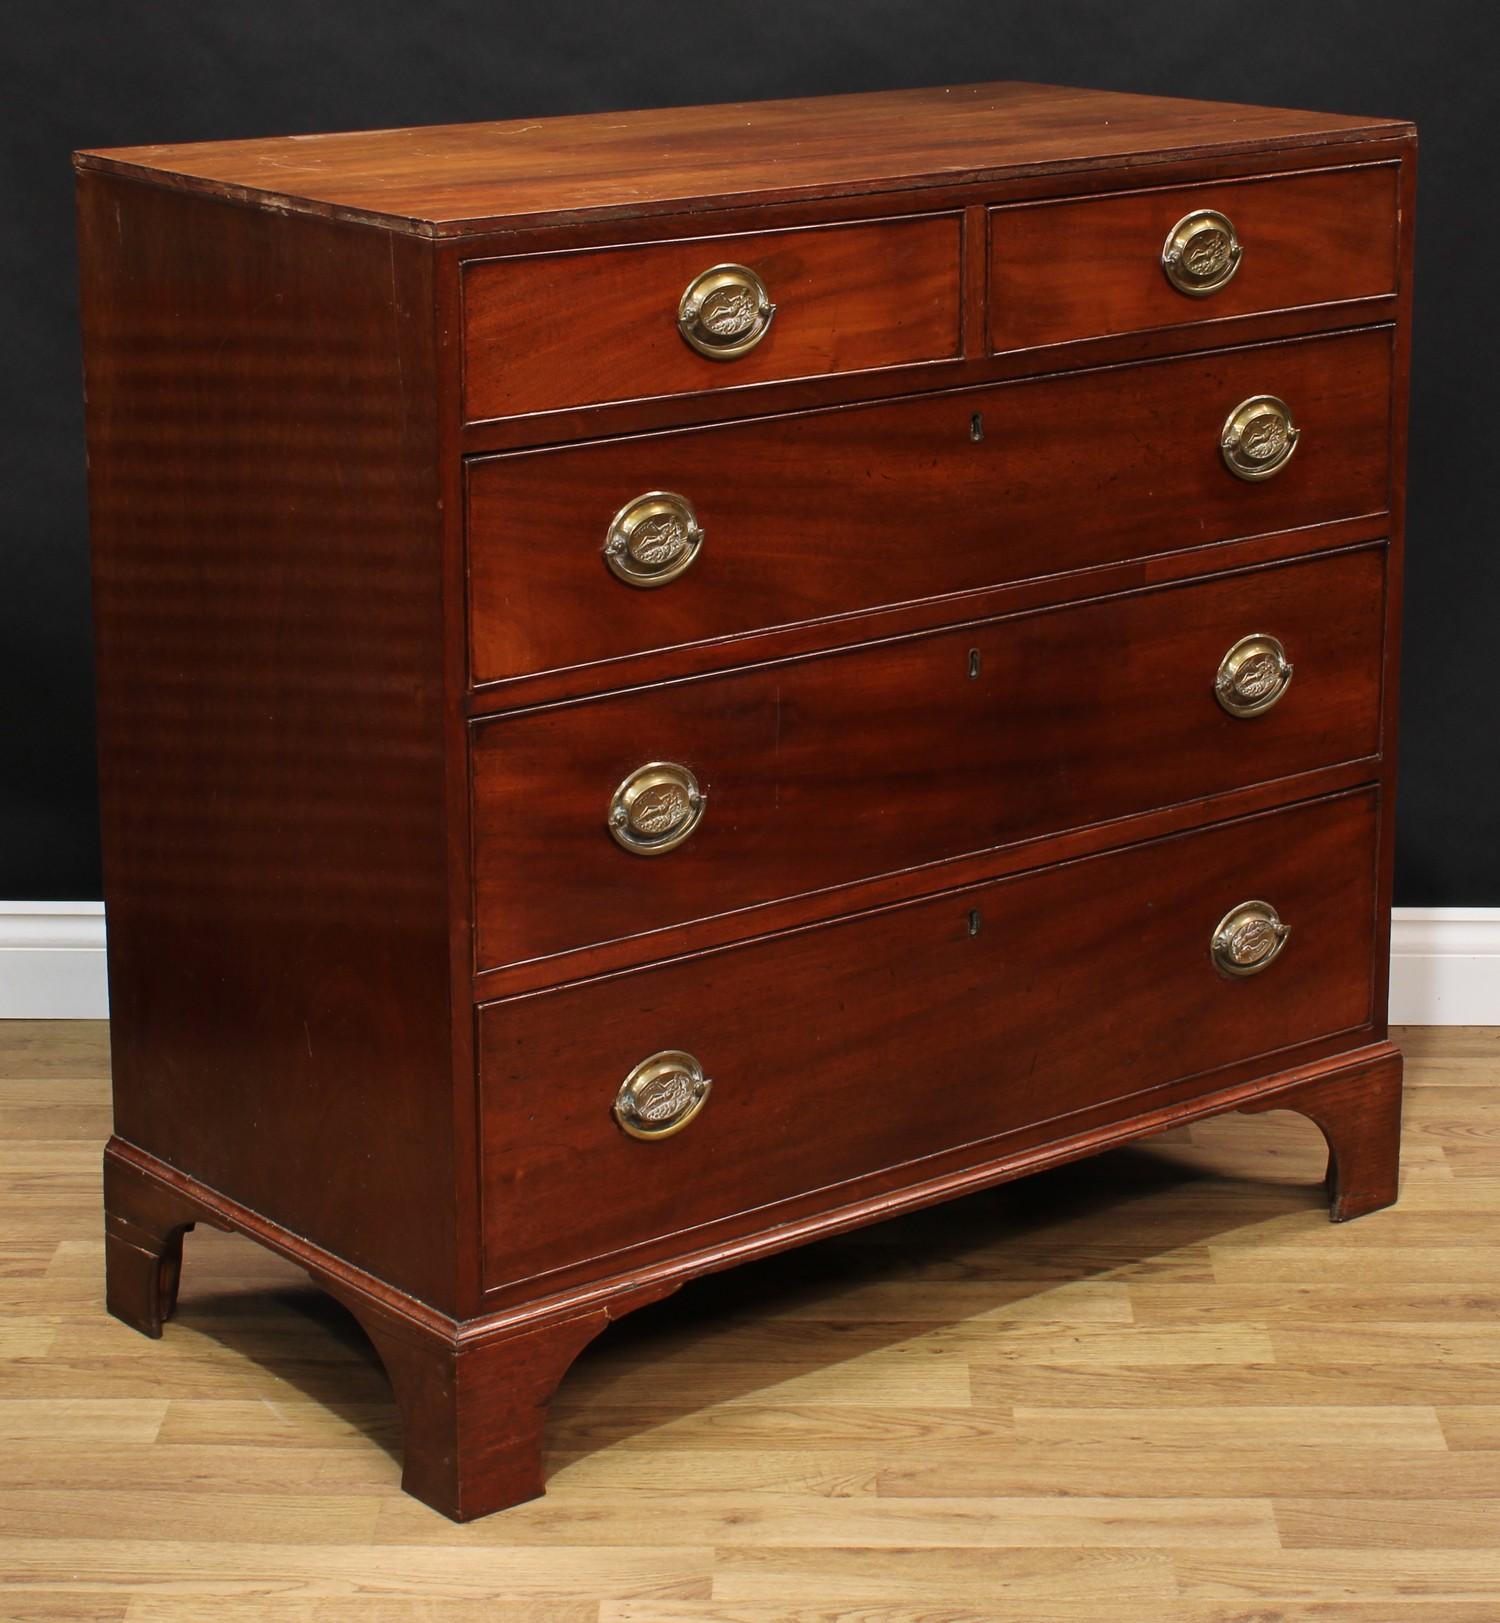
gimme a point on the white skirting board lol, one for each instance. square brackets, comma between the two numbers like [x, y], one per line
[52, 961]
[1445, 964]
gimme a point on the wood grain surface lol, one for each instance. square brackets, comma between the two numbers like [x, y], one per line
[980, 363]
[1061, 271]
[1154, 1385]
[829, 771]
[460, 177]
[545, 331]
[269, 614]
[847, 1053]
[833, 512]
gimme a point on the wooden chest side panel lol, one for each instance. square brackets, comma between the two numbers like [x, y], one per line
[827, 771]
[843, 1049]
[269, 623]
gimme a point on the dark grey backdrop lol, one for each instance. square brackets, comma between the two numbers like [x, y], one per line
[184, 70]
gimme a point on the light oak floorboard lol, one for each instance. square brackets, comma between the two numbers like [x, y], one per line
[1155, 1387]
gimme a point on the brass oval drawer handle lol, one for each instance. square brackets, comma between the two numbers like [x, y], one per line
[1248, 939]
[661, 1095]
[725, 311]
[653, 539]
[656, 808]
[1253, 675]
[1201, 253]
[1258, 437]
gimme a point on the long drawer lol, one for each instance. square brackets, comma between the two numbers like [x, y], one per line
[844, 1049]
[829, 512]
[825, 770]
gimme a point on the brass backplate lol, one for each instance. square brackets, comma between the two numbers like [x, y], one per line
[1258, 437]
[1248, 939]
[661, 1095]
[1253, 675]
[1201, 253]
[653, 539]
[656, 808]
[725, 311]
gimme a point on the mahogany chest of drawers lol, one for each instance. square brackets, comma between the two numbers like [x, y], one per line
[672, 683]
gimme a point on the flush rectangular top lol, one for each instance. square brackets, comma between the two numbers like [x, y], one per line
[456, 179]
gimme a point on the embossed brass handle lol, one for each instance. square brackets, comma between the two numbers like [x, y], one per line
[1253, 675]
[1258, 437]
[656, 808]
[661, 1095]
[725, 311]
[1248, 939]
[1201, 253]
[653, 539]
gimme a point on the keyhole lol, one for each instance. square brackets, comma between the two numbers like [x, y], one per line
[976, 427]
[973, 663]
[974, 921]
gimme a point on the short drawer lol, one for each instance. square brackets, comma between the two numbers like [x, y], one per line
[828, 512]
[822, 771]
[1092, 267]
[543, 332]
[984, 1011]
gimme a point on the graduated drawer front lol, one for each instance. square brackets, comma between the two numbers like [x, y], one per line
[547, 331]
[826, 770]
[844, 1049]
[1087, 268]
[834, 511]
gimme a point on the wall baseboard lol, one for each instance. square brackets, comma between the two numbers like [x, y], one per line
[52, 961]
[1445, 964]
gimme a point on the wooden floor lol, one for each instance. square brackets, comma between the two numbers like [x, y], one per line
[1157, 1385]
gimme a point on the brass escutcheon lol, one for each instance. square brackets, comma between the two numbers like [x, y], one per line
[1253, 675]
[661, 1095]
[1248, 939]
[725, 311]
[1258, 437]
[653, 539]
[1201, 253]
[656, 808]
